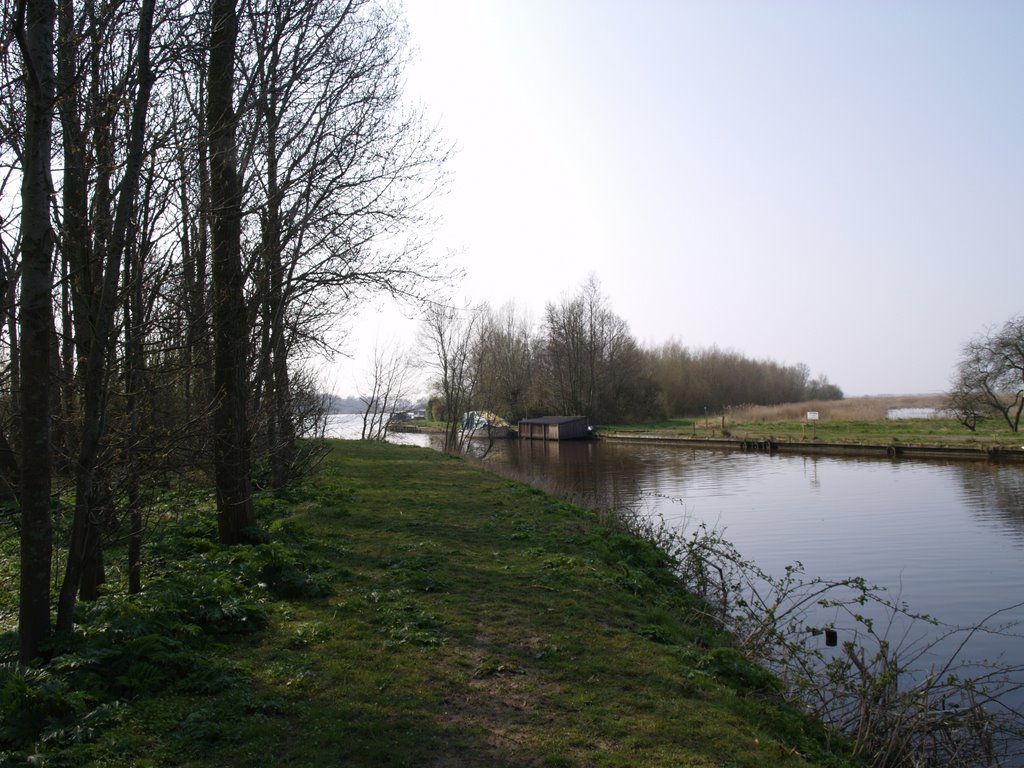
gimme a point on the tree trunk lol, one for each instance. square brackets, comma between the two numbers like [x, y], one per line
[282, 449]
[134, 378]
[85, 532]
[195, 248]
[235, 511]
[35, 26]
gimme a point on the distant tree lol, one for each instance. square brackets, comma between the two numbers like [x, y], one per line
[507, 348]
[671, 366]
[436, 410]
[963, 402]
[822, 389]
[989, 379]
[451, 337]
[386, 391]
[593, 366]
[690, 380]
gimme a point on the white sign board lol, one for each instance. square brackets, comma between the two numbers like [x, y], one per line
[812, 415]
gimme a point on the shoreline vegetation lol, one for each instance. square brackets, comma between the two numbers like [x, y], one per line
[852, 420]
[401, 606]
[850, 426]
[404, 608]
[853, 425]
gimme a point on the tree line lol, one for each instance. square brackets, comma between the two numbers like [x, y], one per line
[191, 196]
[582, 360]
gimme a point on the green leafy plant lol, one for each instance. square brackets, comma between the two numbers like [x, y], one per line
[33, 700]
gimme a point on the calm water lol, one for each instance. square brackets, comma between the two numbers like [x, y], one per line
[952, 534]
[947, 538]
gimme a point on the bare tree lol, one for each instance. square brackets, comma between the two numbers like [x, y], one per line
[507, 348]
[594, 366]
[192, 251]
[235, 511]
[188, 296]
[85, 547]
[10, 259]
[34, 29]
[450, 336]
[989, 380]
[963, 401]
[336, 174]
[387, 390]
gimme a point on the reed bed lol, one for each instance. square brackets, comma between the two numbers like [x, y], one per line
[850, 409]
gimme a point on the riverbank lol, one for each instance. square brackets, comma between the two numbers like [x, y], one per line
[853, 427]
[885, 426]
[1007, 448]
[769, 444]
[459, 619]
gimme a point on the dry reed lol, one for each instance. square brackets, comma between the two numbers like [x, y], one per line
[850, 409]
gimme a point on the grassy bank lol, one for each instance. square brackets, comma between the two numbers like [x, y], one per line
[856, 420]
[408, 609]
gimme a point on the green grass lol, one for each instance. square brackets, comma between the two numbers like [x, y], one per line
[919, 431]
[675, 426]
[426, 425]
[413, 610]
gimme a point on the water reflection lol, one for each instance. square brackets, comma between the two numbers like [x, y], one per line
[348, 426]
[993, 492]
[944, 537]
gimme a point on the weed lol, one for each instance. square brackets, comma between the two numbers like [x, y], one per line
[893, 711]
[131, 647]
[310, 634]
[403, 621]
[33, 701]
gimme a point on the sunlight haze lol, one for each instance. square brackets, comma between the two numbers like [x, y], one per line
[835, 184]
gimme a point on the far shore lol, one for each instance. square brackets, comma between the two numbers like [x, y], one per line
[889, 450]
[859, 426]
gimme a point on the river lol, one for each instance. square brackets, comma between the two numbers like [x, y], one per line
[946, 538]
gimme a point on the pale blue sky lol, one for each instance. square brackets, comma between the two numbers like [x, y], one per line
[834, 183]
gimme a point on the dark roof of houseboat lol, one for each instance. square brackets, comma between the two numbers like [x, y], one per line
[552, 420]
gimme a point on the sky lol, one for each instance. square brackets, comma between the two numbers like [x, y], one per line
[839, 184]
